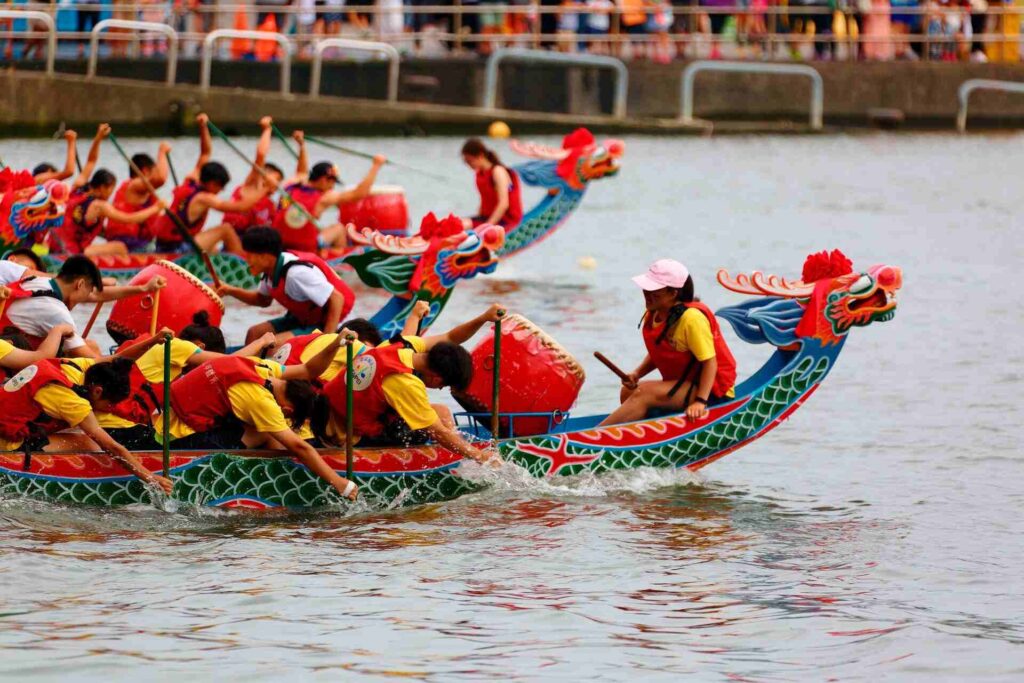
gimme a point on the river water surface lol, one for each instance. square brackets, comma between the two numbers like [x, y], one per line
[874, 535]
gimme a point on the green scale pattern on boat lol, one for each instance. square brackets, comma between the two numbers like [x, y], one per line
[231, 270]
[530, 231]
[759, 412]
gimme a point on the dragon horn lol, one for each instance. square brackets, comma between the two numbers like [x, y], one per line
[538, 151]
[758, 283]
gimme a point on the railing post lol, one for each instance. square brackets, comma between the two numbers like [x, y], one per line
[690, 74]
[172, 43]
[963, 95]
[213, 36]
[541, 56]
[391, 54]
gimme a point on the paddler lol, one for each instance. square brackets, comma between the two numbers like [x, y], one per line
[500, 199]
[313, 189]
[684, 343]
[19, 263]
[262, 212]
[133, 195]
[45, 171]
[313, 295]
[234, 402]
[43, 399]
[13, 359]
[192, 200]
[390, 392]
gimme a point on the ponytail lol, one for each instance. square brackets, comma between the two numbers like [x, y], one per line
[201, 331]
[684, 295]
[473, 147]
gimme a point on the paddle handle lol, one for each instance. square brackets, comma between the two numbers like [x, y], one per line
[167, 404]
[612, 366]
[154, 314]
[349, 407]
[496, 380]
[92, 319]
[284, 141]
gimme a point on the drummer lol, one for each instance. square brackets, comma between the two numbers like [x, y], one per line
[234, 402]
[133, 195]
[313, 190]
[313, 295]
[43, 399]
[500, 199]
[684, 343]
[192, 201]
[262, 212]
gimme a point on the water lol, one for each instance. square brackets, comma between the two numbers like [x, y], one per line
[875, 535]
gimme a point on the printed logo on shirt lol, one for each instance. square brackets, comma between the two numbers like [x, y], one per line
[21, 379]
[363, 370]
[281, 355]
[294, 217]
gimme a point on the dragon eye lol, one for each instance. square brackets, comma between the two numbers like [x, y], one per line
[863, 284]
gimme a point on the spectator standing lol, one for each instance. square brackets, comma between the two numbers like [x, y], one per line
[155, 12]
[713, 23]
[904, 23]
[390, 20]
[659, 21]
[877, 25]
[979, 15]
[87, 15]
[597, 25]
[633, 23]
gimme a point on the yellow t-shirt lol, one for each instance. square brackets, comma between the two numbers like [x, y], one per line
[151, 365]
[250, 402]
[5, 349]
[693, 333]
[60, 402]
[338, 364]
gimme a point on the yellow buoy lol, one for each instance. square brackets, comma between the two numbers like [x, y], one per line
[587, 262]
[499, 129]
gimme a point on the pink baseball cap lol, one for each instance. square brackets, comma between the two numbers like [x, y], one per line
[663, 273]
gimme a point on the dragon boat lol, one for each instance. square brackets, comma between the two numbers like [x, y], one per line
[563, 173]
[807, 321]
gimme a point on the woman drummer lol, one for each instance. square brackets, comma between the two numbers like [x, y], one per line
[500, 200]
[684, 343]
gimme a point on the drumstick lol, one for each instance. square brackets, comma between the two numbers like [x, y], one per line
[92, 319]
[152, 317]
[612, 366]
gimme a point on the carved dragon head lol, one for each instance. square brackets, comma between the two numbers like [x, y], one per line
[27, 213]
[825, 304]
[579, 161]
[428, 265]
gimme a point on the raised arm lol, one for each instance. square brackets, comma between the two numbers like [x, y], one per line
[163, 167]
[460, 334]
[94, 155]
[205, 146]
[70, 159]
[256, 348]
[302, 165]
[420, 309]
[335, 197]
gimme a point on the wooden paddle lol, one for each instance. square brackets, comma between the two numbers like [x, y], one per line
[613, 367]
[178, 223]
[153, 315]
[284, 141]
[496, 381]
[364, 155]
[92, 319]
[349, 404]
[167, 401]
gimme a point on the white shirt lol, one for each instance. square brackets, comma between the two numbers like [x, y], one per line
[38, 315]
[302, 283]
[11, 272]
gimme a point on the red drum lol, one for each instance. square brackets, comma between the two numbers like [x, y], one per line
[537, 375]
[183, 296]
[384, 210]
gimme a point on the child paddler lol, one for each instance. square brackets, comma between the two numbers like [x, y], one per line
[262, 212]
[192, 200]
[313, 189]
[234, 402]
[133, 195]
[14, 359]
[500, 197]
[88, 210]
[44, 398]
[313, 295]
[684, 343]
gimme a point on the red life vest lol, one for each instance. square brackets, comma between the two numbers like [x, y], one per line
[489, 198]
[76, 232]
[200, 397]
[261, 213]
[307, 312]
[181, 199]
[674, 364]
[17, 291]
[297, 231]
[130, 231]
[144, 398]
[20, 411]
[290, 353]
[369, 372]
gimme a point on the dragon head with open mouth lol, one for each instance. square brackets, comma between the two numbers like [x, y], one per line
[580, 160]
[27, 210]
[827, 302]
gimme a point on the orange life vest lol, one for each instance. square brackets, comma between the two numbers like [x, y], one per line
[20, 411]
[370, 403]
[674, 364]
[200, 398]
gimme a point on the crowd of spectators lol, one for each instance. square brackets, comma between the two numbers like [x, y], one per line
[659, 30]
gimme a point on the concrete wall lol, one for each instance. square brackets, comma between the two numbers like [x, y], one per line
[434, 95]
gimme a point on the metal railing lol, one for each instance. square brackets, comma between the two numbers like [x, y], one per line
[220, 34]
[349, 45]
[539, 56]
[51, 31]
[146, 26]
[691, 71]
[963, 94]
